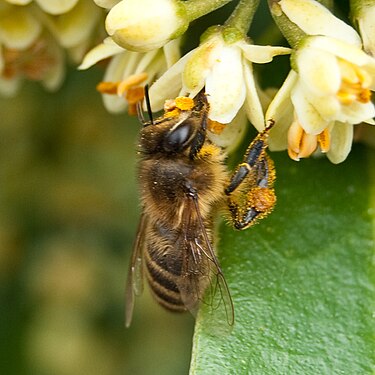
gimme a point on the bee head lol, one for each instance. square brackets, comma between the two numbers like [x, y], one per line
[181, 129]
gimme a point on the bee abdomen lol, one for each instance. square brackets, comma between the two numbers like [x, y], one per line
[163, 283]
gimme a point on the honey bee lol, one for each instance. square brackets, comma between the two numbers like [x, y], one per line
[183, 181]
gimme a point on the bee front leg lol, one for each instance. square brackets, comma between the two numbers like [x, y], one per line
[250, 192]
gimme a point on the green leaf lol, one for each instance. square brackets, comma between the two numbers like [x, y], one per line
[302, 280]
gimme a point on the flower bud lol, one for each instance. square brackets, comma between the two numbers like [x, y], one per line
[143, 25]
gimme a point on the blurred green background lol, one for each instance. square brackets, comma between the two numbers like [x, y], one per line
[68, 215]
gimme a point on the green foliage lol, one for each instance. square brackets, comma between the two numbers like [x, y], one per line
[302, 280]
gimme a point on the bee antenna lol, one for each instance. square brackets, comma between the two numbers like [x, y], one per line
[148, 105]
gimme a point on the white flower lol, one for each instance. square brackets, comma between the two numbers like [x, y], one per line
[225, 71]
[74, 29]
[144, 25]
[328, 90]
[129, 71]
[26, 51]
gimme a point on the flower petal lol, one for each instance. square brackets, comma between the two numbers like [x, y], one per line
[199, 65]
[108, 4]
[328, 106]
[225, 88]
[56, 7]
[308, 116]
[314, 19]
[261, 54]
[172, 52]
[19, 2]
[281, 103]
[68, 26]
[366, 26]
[55, 75]
[169, 84]
[114, 73]
[9, 87]
[252, 103]
[346, 51]
[319, 71]
[100, 52]
[143, 25]
[18, 28]
[341, 142]
[356, 112]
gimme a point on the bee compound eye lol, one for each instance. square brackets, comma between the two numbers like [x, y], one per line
[177, 138]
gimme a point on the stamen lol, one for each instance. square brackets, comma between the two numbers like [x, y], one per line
[107, 87]
[293, 155]
[133, 96]
[132, 81]
[324, 140]
[300, 144]
[354, 85]
[215, 126]
[121, 87]
[295, 134]
[308, 145]
[129, 88]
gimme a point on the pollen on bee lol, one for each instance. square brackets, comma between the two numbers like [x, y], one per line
[209, 150]
[172, 113]
[263, 199]
[184, 103]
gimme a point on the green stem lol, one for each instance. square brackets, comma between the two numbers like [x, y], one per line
[198, 8]
[242, 16]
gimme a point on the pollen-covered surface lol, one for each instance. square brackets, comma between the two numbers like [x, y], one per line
[184, 103]
[262, 199]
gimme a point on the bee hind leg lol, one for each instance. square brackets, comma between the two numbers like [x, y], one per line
[250, 192]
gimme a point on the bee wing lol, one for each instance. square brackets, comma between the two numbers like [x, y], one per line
[134, 282]
[200, 266]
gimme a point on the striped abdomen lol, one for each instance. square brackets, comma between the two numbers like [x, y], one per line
[163, 268]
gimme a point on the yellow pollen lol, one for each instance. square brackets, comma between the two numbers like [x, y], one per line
[121, 87]
[132, 81]
[184, 103]
[130, 88]
[172, 113]
[107, 87]
[215, 126]
[169, 104]
[133, 96]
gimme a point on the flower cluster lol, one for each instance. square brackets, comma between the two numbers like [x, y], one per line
[34, 35]
[326, 93]
[328, 89]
